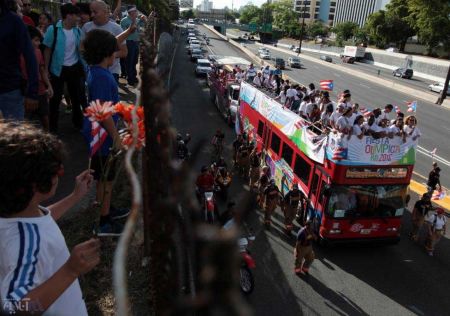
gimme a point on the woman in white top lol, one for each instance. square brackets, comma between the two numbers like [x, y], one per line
[436, 230]
[397, 129]
[282, 96]
[258, 80]
[343, 125]
[410, 129]
[357, 130]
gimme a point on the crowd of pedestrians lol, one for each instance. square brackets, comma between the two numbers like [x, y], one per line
[44, 59]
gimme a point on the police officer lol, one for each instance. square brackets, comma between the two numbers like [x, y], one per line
[421, 209]
[303, 252]
[272, 196]
[236, 145]
[292, 201]
[255, 162]
[244, 158]
[263, 182]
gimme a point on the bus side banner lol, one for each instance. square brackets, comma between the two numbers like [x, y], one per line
[295, 128]
[371, 151]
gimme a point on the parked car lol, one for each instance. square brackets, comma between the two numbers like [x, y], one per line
[192, 47]
[326, 58]
[438, 87]
[403, 73]
[291, 47]
[197, 55]
[296, 49]
[294, 62]
[264, 54]
[279, 62]
[203, 67]
[263, 49]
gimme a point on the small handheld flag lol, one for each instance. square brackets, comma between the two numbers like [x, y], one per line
[99, 136]
[412, 106]
[439, 195]
[326, 85]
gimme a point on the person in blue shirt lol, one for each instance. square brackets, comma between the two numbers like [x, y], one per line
[14, 42]
[100, 49]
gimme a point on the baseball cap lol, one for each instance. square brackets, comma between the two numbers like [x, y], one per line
[131, 8]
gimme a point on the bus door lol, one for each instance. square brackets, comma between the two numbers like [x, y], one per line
[318, 199]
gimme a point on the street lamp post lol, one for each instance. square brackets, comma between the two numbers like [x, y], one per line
[302, 29]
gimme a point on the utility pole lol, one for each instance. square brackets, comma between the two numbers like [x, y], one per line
[302, 29]
[443, 95]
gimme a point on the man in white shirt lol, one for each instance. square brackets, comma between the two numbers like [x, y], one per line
[290, 96]
[258, 80]
[266, 72]
[336, 115]
[100, 20]
[251, 73]
[385, 114]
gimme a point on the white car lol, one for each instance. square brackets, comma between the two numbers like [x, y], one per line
[203, 67]
[263, 49]
[438, 87]
[264, 55]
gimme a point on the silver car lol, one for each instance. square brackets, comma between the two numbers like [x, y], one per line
[294, 62]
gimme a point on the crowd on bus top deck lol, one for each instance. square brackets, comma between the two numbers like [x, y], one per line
[340, 116]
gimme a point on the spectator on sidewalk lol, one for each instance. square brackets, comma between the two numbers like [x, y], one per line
[14, 42]
[100, 20]
[45, 90]
[27, 11]
[132, 43]
[100, 47]
[36, 268]
[45, 19]
[62, 55]
[85, 13]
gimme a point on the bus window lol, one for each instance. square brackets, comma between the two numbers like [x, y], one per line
[315, 184]
[322, 195]
[287, 153]
[275, 143]
[302, 169]
[260, 128]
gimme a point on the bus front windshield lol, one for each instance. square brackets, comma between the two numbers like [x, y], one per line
[367, 201]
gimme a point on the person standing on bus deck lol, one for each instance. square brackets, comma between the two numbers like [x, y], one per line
[272, 196]
[421, 209]
[436, 230]
[251, 73]
[303, 252]
[434, 180]
[292, 201]
[255, 163]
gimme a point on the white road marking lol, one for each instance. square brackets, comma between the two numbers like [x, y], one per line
[365, 86]
[427, 153]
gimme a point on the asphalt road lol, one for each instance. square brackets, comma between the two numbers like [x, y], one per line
[344, 280]
[432, 118]
[415, 82]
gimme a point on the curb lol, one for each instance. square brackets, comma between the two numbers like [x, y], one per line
[420, 189]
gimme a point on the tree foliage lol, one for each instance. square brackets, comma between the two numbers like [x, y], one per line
[187, 14]
[317, 28]
[430, 19]
[250, 14]
[345, 30]
[285, 18]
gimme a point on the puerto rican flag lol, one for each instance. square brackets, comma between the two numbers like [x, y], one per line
[439, 195]
[326, 85]
[397, 109]
[412, 106]
[339, 153]
[99, 135]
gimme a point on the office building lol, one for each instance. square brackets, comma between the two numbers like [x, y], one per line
[316, 10]
[357, 10]
[205, 6]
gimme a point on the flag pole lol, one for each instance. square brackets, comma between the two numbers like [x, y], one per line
[89, 163]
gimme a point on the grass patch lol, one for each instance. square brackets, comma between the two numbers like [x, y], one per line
[97, 285]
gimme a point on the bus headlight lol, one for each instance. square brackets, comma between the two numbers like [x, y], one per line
[392, 229]
[334, 231]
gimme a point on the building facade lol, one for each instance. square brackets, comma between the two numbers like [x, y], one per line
[186, 4]
[316, 10]
[205, 6]
[357, 10]
[212, 15]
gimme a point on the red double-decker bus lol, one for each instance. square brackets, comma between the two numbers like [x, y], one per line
[358, 188]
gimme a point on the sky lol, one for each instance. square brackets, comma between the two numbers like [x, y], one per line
[219, 4]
